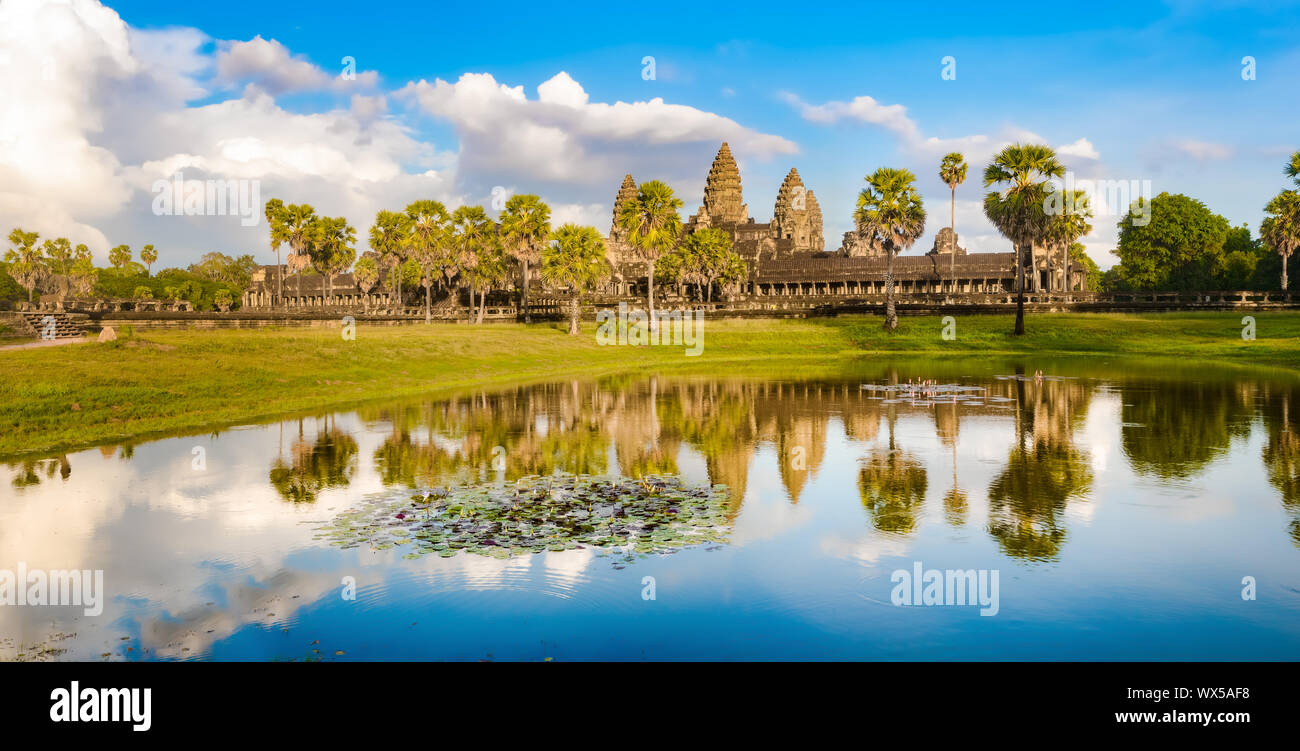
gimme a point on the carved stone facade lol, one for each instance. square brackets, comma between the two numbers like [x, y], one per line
[797, 216]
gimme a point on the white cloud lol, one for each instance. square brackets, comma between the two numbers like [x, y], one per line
[106, 110]
[1081, 148]
[977, 148]
[562, 136]
[269, 64]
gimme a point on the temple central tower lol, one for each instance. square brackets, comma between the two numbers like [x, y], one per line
[722, 197]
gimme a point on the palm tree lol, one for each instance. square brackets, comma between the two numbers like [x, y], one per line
[366, 274]
[525, 228]
[292, 225]
[491, 271]
[890, 217]
[472, 233]
[1292, 168]
[427, 243]
[332, 249]
[149, 256]
[1017, 208]
[1281, 228]
[652, 224]
[952, 170]
[24, 260]
[1069, 223]
[387, 239]
[575, 258]
[120, 257]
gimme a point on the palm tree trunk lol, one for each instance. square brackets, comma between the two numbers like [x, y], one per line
[1065, 268]
[523, 296]
[428, 318]
[482, 304]
[573, 313]
[397, 272]
[1020, 291]
[1284, 284]
[650, 294]
[952, 225]
[891, 315]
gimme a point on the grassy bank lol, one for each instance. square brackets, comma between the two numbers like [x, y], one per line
[162, 382]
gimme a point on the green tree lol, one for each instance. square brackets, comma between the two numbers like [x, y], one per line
[1175, 244]
[1092, 274]
[149, 256]
[1021, 174]
[332, 248]
[366, 274]
[223, 299]
[491, 271]
[1281, 227]
[952, 170]
[388, 239]
[708, 253]
[290, 225]
[473, 233]
[120, 257]
[142, 293]
[59, 253]
[428, 245]
[890, 217]
[525, 230]
[575, 258]
[24, 260]
[1292, 169]
[653, 225]
[1070, 212]
[84, 273]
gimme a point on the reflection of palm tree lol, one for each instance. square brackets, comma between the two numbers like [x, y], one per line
[1281, 456]
[1043, 472]
[1174, 430]
[327, 463]
[946, 424]
[892, 486]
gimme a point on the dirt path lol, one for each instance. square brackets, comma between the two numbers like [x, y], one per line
[46, 343]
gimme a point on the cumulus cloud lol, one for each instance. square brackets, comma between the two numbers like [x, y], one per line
[894, 118]
[106, 111]
[562, 137]
[269, 64]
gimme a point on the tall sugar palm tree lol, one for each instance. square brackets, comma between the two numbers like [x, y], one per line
[332, 249]
[653, 225]
[1281, 227]
[1292, 168]
[525, 229]
[149, 256]
[24, 260]
[366, 274]
[1021, 174]
[890, 217]
[472, 232]
[1069, 223]
[575, 258]
[388, 239]
[491, 270]
[290, 225]
[427, 244]
[952, 170]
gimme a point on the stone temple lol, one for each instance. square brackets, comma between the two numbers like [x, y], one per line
[788, 256]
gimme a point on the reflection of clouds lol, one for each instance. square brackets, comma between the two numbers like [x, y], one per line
[867, 549]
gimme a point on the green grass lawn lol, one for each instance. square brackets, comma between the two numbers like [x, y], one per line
[161, 382]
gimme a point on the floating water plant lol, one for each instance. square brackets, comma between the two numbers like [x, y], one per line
[658, 514]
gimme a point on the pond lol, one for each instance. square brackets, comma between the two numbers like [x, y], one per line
[1080, 509]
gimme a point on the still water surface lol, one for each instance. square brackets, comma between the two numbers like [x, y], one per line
[1121, 505]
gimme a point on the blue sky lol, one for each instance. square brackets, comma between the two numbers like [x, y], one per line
[1137, 91]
